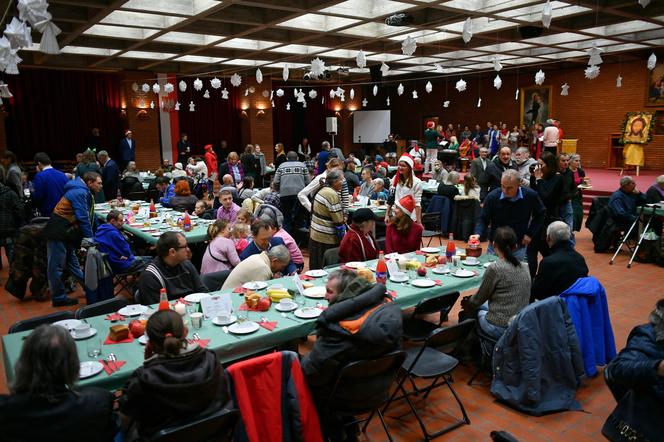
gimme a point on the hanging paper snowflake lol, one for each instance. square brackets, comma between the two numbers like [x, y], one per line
[428, 87]
[539, 77]
[387, 101]
[400, 89]
[151, 104]
[236, 80]
[497, 65]
[331, 93]
[224, 94]
[339, 92]
[415, 95]
[49, 41]
[280, 92]
[618, 81]
[467, 32]
[271, 95]
[19, 34]
[304, 104]
[246, 92]
[375, 90]
[446, 103]
[342, 98]
[177, 106]
[516, 94]
[182, 86]
[198, 84]
[287, 106]
[215, 83]
[33, 11]
[206, 94]
[313, 94]
[595, 57]
[259, 76]
[408, 46]
[591, 72]
[479, 102]
[12, 61]
[192, 106]
[652, 61]
[460, 86]
[644, 3]
[547, 14]
[285, 72]
[168, 88]
[352, 93]
[564, 90]
[497, 82]
[361, 59]
[272, 103]
[4, 90]
[317, 67]
[156, 88]
[364, 102]
[134, 87]
[145, 88]
[384, 69]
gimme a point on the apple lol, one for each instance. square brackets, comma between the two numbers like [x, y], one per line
[422, 271]
[136, 328]
[263, 304]
[442, 259]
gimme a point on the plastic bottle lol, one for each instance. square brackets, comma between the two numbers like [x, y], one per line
[451, 248]
[381, 269]
[153, 209]
[119, 198]
[163, 300]
[186, 222]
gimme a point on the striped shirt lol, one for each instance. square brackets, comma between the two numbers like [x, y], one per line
[326, 214]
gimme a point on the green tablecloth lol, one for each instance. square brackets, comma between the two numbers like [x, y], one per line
[227, 346]
[646, 210]
[379, 211]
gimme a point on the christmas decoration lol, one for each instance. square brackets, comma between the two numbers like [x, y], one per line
[352, 93]
[644, 3]
[236, 80]
[145, 88]
[428, 87]
[313, 94]
[156, 88]
[364, 102]
[415, 95]
[287, 106]
[564, 90]
[467, 32]
[182, 86]
[177, 106]
[497, 82]
[11, 62]
[446, 103]
[168, 88]
[375, 90]
[361, 59]
[497, 65]
[591, 72]
[479, 102]
[539, 77]
[304, 104]
[400, 89]
[198, 84]
[384, 69]
[595, 57]
[387, 101]
[259, 76]
[547, 14]
[618, 81]
[19, 34]
[652, 61]
[151, 104]
[206, 94]
[246, 92]
[215, 83]
[439, 68]
[35, 12]
[408, 46]
[300, 96]
[332, 93]
[285, 72]
[224, 94]
[317, 67]
[339, 91]
[516, 94]
[280, 92]
[4, 90]
[192, 106]
[134, 87]
[460, 86]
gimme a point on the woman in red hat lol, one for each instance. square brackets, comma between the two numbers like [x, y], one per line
[403, 234]
[406, 183]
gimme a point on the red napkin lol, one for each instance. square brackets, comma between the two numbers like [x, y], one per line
[182, 300]
[108, 340]
[269, 326]
[419, 252]
[304, 277]
[240, 290]
[245, 307]
[114, 366]
[201, 342]
[115, 317]
[438, 281]
[392, 293]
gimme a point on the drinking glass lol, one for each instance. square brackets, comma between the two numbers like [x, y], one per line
[93, 347]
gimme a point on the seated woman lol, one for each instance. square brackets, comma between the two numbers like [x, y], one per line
[177, 382]
[220, 254]
[45, 403]
[183, 199]
[470, 189]
[131, 170]
[403, 234]
[379, 192]
[358, 244]
[505, 288]
[247, 189]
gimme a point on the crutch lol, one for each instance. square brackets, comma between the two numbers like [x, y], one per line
[625, 238]
[636, 249]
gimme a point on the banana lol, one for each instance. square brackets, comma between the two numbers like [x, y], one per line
[277, 295]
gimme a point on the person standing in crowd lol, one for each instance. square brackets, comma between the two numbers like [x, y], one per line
[569, 191]
[350, 176]
[184, 149]
[290, 177]
[494, 140]
[323, 156]
[232, 167]
[12, 214]
[513, 138]
[249, 162]
[551, 137]
[304, 150]
[110, 175]
[524, 165]
[498, 166]
[279, 155]
[127, 149]
[13, 172]
[212, 166]
[431, 137]
[406, 183]
[49, 184]
[335, 152]
[260, 158]
[358, 244]
[94, 140]
[403, 233]
[577, 201]
[624, 202]
[478, 169]
[327, 219]
[89, 164]
[315, 184]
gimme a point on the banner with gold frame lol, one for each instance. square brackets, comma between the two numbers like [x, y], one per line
[637, 128]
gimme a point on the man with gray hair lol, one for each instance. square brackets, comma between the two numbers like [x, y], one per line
[624, 202]
[559, 270]
[290, 177]
[323, 156]
[110, 175]
[523, 163]
[260, 267]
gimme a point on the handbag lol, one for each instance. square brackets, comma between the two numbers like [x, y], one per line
[636, 418]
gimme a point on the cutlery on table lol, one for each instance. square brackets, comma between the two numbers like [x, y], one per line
[288, 317]
[225, 330]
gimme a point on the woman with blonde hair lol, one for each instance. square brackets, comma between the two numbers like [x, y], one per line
[280, 155]
[220, 254]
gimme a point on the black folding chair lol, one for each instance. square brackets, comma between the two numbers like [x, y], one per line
[101, 308]
[417, 329]
[485, 364]
[428, 363]
[356, 377]
[431, 223]
[331, 258]
[32, 323]
[218, 427]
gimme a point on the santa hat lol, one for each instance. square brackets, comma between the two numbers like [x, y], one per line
[407, 205]
[430, 124]
[127, 132]
[208, 147]
[178, 166]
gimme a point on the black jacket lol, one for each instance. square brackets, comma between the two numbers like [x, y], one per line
[11, 212]
[550, 191]
[181, 280]
[569, 189]
[131, 184]
[448, 190]
[84, 415]
[495, 171]
[558, 271]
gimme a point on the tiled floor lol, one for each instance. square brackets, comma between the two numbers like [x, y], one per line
[632, 294]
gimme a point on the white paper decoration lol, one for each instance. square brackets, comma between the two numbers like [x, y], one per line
[497, 82]
[467, 32]
[215, 83]
[352, 93]
[644, 3]
[547, 14]
[224, 94]
[156, 88]
[332, 93]
[192, 106]
[618, 81]
[516, 94]
[287, 106]
[280, 92]
[339, 92]
[35, 12]
[479, 102]
[564, 90]
[317, 67]
[652, 61]
[300, 96]
[4, 90]
[364, 102]
[134, 87]
[313, 94]
[182, 86]
[400, 89]
[446, 103]
[497, 65]
[198, 84]
[18, 33]
[591, 72]
[246, 92]
[375, 90]
[304, 104]
[236, 80]
[428, 87]
[460, 86]
[408, 46]
[168, 88]
[259, 76]
[151, 104]
[49, 41]
[177, 106]
[539, 77]
[595, 57]
[387, 101]
[271, 95]
[342, 98]
[285, 72]
[145, 88]
[206, 94]
[295, 92]
[11, 62]
[384, 69]
[439, 68]
[361, 59]
[415, 95]
[272, 103]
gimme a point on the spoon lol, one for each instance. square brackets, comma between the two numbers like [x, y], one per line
[288, 317]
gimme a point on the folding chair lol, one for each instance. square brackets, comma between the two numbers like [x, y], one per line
[431, 223]
[331, 258]
[32, 323]
[428, 363]
[417, 329]
[487, 344]
[101, 308]
[218, 427]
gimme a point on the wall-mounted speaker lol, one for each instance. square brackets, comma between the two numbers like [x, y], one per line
[331, 125]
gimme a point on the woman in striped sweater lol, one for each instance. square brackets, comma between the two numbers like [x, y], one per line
[327, 219]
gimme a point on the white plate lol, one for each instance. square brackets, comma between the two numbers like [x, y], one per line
[231, 320]
[290, 308]
[143, 339]
[355, 265]
[317, 291]
[254, 285]
[430, 249]
[444, 271]
[90, 333]
[136, 225]
[462, 273]
[472, 263]
[316, 273]
[89, 369]
[243, 328]
[133, 310]
[423, 283]
[147, 229]
[196, 297]
[155, 234]
[69, 324]
[308, 312]
[399, 278]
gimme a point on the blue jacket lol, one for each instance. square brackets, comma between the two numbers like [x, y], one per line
[323, 156]
[169, 194]
[127, 151]
[111, 242]
[49, 186]
[78, 194]
[623, 207]
[252, 249]
[586, 303]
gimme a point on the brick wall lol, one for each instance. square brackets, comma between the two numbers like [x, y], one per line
[257, 127]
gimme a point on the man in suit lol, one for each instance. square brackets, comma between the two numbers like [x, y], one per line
[478, 169]
[127, 149]
[558, 271]
[110, 175]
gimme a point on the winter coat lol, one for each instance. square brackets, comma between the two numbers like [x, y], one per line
[589, 310]
[111, 242]
[73, 217]
[537, 361]
[601, 224]
[11, 212]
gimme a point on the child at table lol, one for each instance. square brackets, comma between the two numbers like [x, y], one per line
[241, 236]
[220, 254]
[244, 217]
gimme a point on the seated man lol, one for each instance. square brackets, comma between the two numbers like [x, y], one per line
[359, 323]
[112, 242]
[559, 270]
[624, 201]
[227, 183]
[166, 190]
[450, 189]
[202, 211]
[263, 240]
[228, 209]
[378, 192]
[260, 267]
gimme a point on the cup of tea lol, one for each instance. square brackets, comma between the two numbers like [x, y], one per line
[81, 330]
[286, 303]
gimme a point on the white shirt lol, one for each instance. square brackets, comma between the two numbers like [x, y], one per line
[400, 191]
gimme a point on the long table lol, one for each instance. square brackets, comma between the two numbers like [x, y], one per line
[232, 347]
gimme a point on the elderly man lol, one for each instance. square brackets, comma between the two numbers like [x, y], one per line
[559, 270]
[110, 175]
[127, 149]
[323, 156]
[290, 177]
[624, 201]
[523, 163]
[228, 210]
[260, 267]
[514, 206]
[449, 189]
[262, 231]
[227, 183]
[360, 323]
[478, 169]
[500, 164]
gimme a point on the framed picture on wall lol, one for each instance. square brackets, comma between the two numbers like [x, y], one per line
[656, 86]
[658, 126]
[535, 104]
[637, 128]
